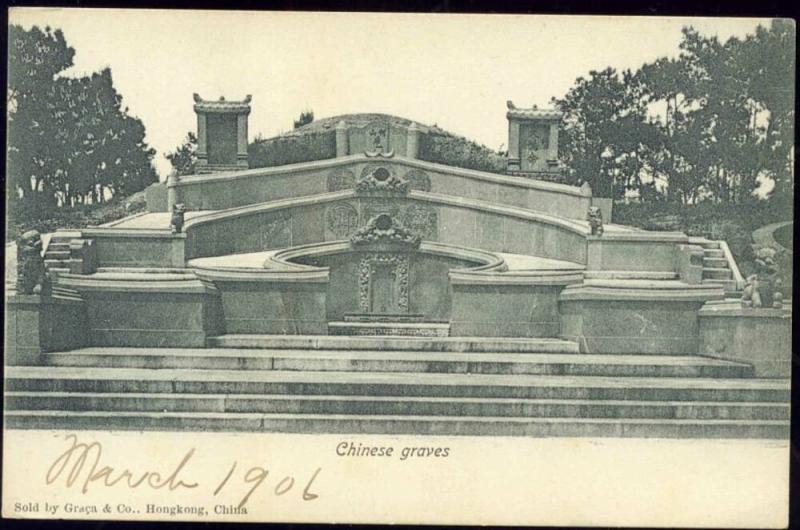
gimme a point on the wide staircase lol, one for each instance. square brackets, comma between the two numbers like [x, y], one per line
[396, 385]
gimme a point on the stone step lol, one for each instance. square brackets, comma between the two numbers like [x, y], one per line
[58, 245]
[713, 253]
[176, 381]
[716, 274]
[442, 344]
[56, 263]
[57, 254]
[716, 263]
[728, 285]
[397, 329]
[403, 361]
[705, 243]
[394, 405]
[383, 424]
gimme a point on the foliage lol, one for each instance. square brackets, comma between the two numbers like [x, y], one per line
[70, 142]
[733, 223]
[79, 216]
[460, 152]
[292, 149]
[305, 118]
[709, 125]
[605, 133]
[184, 157]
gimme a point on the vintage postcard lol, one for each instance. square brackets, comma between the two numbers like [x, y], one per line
[398, 268]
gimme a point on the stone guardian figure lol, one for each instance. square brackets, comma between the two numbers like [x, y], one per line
[595, 218]
[31, 274]
[176, 221]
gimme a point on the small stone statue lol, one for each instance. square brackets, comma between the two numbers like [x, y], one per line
[764, 287]
[176, 221]
[595, 218]
[31, 274]
[751, 297]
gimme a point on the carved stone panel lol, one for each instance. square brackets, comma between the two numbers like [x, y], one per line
[419, 180]
[341, 179]
[277, 230]
[423, 220]
[341, 219]
[370, 170]
[383, 283]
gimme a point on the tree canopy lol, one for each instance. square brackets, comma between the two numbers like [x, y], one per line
[711, 124]
[70, 141]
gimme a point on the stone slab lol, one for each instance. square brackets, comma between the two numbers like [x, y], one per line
[403, 361]
[458, 344]
[441, 425]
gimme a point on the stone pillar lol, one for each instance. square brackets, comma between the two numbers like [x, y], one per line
[38, 323]
[341, 139]
[241, 140]
[412, 141]
[202, 150]
[513, 146]
[172, 191]
[552, 151]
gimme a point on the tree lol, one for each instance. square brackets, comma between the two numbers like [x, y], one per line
[305, 118]
[70, 140]
[769, 60]
[604, 129]
[710, 124]
[184, 157]
[35, 57]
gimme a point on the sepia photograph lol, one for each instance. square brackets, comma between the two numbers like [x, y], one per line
[393, 268]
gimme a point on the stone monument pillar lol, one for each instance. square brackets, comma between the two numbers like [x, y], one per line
[412, 141]
[532, 140]
[221, 134]
[341, 139]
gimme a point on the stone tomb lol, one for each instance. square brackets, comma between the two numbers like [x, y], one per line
[456, 285]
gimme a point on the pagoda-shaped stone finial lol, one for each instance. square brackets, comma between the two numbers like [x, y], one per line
[221, 134]
[532, 139]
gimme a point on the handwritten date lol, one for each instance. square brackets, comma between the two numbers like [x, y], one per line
[82, 466]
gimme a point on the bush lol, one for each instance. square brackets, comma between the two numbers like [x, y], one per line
[460, 152]
[23, 219]
[292, 149]
[733, 223]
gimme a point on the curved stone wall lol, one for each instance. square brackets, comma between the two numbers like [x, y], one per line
[335, 216]
[235, 189]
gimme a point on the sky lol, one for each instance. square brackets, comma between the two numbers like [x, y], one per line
[456, 71]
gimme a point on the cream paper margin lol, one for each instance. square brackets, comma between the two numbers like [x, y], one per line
[485, 480]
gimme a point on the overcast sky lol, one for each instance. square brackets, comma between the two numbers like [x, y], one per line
[453, 70]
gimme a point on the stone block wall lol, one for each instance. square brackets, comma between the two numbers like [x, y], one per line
[152, 319]
[280, 308]
[761, 337]
[631, 326]
[136, 248]
[505, 311]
